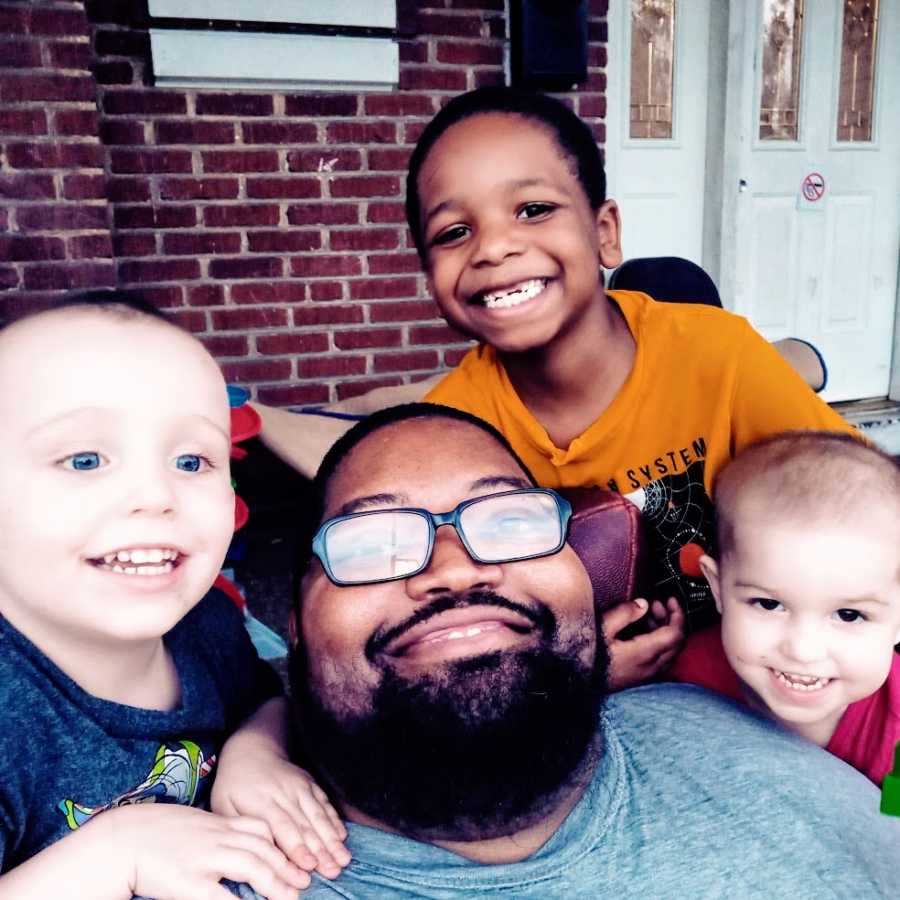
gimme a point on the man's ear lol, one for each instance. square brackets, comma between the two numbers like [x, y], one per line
[710, 569]
[609, 234]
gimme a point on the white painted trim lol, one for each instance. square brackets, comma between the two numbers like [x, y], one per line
[277, 61]
[358, 13]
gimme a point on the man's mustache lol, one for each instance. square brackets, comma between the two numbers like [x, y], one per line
[541, 617]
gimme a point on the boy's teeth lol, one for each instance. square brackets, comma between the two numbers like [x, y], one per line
[141, 561]
[514, 296]
[801, 682]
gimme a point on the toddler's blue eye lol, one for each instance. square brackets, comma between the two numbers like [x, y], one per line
[189, 462]
[82, 462]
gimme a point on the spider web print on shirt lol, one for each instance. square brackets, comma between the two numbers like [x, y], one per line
[676, 510]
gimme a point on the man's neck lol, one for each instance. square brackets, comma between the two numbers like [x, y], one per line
[519, 844]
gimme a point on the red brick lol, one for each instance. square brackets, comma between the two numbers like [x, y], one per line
[477, 4]
[386, 213]
[379, 288]
[206, 295]
[365, 239]
[118, 131]
[434, 334]
[9, 278]
[412, 132]
[27, 187]
[368, 337]
[68, 22]
[399, 105]
[75, 122]
[226, 345]
[19, 249]
[234, 104]
[249, 317]
[189, 131]
[257, 370]
[168, 162]
[46, 87]
[469, 54]
[69, 55]
[15, 20]
[326, 290]
[325, 266]
[159, 270]
[245, 267]
[191, 320]
[240, 214]
[66, 217]
[450, 25]
[393, 160]
[295, 395]
[403, 312]
[323, 214]
[592, 106]
[413, 51]
[324, 366]
[320, 105]
[134, 245]
[268, 292]
[425, 79]
[364, 186]
[163, 297]
[404, 362]
[90, 246]
[129, 42]
[496, 28]
[114, 72]
[287, 188]
[128, 190]
[362, 132]
[162, 216]
[240, 161]
[292, 343]
[144, 103]
[199, 189]
[355, 388]
[55, 155]
[280, 133]
[20, 54]
[63, 278]
[84, 187]
[327, 315]
[180, 243]
[454, 357]
[23, 121]
[393, 263]
[324, 159]
[284, 241]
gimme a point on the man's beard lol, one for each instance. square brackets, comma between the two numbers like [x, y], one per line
[477, 748]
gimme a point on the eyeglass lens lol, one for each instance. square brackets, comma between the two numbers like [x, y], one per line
[394, 543]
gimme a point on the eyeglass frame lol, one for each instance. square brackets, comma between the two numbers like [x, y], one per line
[435, 521]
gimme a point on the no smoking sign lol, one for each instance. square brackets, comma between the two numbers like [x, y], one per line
[812, 191]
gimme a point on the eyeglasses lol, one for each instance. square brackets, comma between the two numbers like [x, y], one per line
[387, 544]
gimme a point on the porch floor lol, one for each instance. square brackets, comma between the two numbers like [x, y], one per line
[878, 419]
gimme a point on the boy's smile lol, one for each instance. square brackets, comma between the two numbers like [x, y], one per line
[514, 248]
[811, 616]
[117, 507]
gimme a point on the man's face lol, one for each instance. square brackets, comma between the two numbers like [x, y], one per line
[116, 507]
[434, 464]
[428, 701]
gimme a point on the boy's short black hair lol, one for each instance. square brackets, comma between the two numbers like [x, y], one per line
[574, 137]
[350, 439]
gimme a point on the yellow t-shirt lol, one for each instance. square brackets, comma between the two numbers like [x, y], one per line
[704, 384]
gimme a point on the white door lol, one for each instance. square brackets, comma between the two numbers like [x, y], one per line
[656, 123]
[811, 199]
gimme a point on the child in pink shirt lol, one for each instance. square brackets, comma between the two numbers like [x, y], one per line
[808, 585]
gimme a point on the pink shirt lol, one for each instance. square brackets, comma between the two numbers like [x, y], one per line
[867, 733]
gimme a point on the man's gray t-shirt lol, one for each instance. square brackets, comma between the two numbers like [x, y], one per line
[693, 798]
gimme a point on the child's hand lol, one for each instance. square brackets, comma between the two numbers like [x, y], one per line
[302, 821]
[638, 659]
[182, 853]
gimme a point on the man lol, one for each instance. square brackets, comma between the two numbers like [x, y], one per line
[449, 687]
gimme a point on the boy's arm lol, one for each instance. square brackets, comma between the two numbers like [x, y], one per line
[157, 850]
[256, 778]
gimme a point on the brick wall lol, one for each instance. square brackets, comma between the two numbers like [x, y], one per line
[271, 225]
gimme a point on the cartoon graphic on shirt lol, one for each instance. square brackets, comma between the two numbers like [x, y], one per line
[174, 778]
[676, 511]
